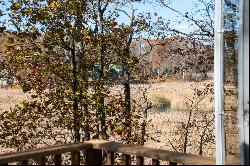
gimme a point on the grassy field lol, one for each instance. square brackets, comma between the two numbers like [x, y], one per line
[9, 97]
[176, 92]
[180, 94]
[161, 129]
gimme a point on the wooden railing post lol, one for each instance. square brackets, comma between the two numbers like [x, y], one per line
[75, 158]
[110, 158]
[126, 159]
[42, 161]
[155, 162]
[24, 162]
[172, 163]
[93, 157]
[58, 159]
[139, 160]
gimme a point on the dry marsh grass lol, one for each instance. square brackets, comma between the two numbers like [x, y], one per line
[9, 97]
[179, 94]
[174, 93]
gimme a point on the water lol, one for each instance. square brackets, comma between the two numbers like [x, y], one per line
[157, 110]
[161, 109]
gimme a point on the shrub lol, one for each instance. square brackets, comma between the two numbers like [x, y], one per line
[162, 102]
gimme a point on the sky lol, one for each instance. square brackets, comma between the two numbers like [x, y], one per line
[181, 5]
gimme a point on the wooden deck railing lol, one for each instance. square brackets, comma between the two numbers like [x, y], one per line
[94, 150]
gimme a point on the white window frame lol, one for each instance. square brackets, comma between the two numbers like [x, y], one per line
[243, 78]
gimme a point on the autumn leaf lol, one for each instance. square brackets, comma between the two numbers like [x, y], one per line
[16, 6]
[54, 5]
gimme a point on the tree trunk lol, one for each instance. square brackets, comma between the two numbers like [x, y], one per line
[127, 94]
[186, 133]
[101, 111]
[75, 100]
[102, 114]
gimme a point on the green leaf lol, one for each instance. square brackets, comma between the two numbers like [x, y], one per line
[101, 110]
[2, 29]
[25, 88]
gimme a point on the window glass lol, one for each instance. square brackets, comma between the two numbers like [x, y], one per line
[231, 26]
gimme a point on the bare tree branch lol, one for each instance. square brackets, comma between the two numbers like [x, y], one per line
[198, 23]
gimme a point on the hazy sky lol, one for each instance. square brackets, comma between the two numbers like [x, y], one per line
[181, 5]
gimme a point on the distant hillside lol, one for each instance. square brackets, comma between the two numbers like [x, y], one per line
[173, 55]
